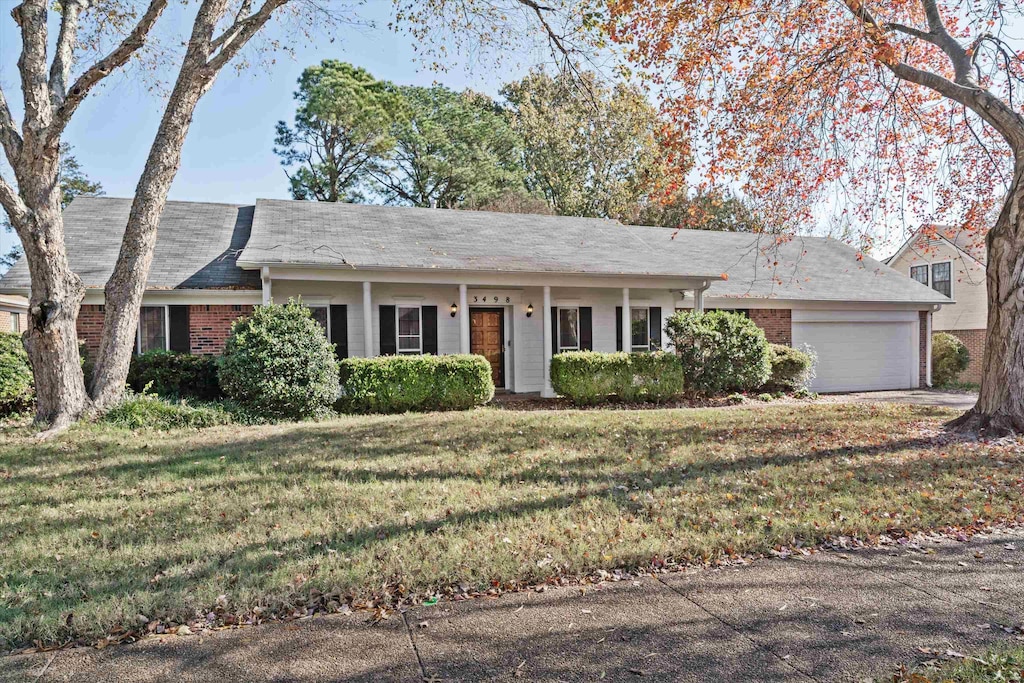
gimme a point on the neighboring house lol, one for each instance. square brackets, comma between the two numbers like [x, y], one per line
[13, 313]
[951, 262]
[515, 288]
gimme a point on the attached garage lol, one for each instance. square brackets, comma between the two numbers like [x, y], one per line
[861, 351]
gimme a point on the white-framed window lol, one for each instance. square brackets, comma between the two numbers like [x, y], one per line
[640, 329]
[152, 331]
[16, 323]
[409, 325]
[321, 314]
[568, 329]
[919, 273]
[942, 278]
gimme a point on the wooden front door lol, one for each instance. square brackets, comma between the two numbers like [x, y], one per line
[487, 338]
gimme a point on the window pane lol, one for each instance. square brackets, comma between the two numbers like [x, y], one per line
[568, 328]
[941, 278]
[639, 331]
[320, 315]
[151, 325]
[409, 322]
[15, 322]
[408, 343]
[919, 273]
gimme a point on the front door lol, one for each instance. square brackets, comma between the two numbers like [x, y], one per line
[487, 338]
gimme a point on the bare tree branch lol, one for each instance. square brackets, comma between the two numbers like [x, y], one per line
[60, 69]
[9, 137]
[31, 18]
[238, 34]
[115, 59]
[11, 202]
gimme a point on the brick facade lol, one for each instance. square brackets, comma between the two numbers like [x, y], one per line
[922, 354]
[5, 322]
[210, 325]
[974, 340]
[777, 324]
[90, 327]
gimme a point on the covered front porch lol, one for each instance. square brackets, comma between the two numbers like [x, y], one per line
[516, 322]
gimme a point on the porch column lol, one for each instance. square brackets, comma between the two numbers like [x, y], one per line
[463, 320]
[627, 330]
[698, 300]
[547, 391]
[265, 279]
[367, 322]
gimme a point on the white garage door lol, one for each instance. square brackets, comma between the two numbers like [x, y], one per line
[861, 356]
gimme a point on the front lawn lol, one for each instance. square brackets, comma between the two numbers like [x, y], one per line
[106, 530]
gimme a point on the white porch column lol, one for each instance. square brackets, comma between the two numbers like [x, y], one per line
[698, 300]
[627, 332]
[928, 351]
[367, 322]
[463, 320]
[265, 279]
[547, 391]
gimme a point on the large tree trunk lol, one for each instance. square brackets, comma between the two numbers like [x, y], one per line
[1000, 407]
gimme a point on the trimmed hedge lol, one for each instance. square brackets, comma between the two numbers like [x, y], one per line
[175, 375]
[792, 369]
[397, 384]
[277, 363]
[719, 351]
[16, 385]
[146, 411]
[590, 377]
[949, 358]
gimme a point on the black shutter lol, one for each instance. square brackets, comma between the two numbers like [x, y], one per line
[554, 330]
[339, 330]
[654, 316]
[429, 330]
[618, 328]
[586, 328]
[179, 334]
[388, 333]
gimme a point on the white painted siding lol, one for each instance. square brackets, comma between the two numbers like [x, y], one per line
[970, 312]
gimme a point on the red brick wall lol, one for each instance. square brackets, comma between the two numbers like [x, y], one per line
[209, 326]
[777, 324]
[974, 340]
[5, 321]
[90, 327]
[922, 354]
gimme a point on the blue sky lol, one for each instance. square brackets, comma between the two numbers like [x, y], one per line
[228, 155]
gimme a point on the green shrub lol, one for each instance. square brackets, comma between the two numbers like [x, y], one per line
[949, 358]
[278, 363]
[719, 351]
[16, 387]
[590, 377]
[176, 375]
[792, 369]
[146, 411]
[397, 384]
[766, 397]
[735, 399]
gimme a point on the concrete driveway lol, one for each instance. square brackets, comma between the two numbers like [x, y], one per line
[920, 397]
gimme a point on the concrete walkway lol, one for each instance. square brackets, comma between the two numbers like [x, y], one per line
[920, 397]
[825, 617]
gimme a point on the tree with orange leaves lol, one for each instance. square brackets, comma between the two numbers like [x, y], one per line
[880, 110]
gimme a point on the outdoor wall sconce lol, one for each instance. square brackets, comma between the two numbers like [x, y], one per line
[529, 310]
[455, 309]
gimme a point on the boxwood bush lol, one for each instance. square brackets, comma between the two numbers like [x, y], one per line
[277, 363]
[719, 351]
[397, 384]
[792, 369]
[175, 375]
[949, 358]
[590, 377]
[16, 386]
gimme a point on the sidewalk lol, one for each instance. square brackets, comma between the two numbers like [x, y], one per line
[830, 616]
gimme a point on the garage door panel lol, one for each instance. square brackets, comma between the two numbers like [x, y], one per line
[859, 356]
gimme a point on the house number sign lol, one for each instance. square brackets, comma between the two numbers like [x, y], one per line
[493, 297]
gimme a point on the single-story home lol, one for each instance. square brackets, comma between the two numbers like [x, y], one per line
[952, 261]
[515, 288]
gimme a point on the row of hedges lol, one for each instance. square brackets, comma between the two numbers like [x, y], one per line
[395, 384]
[590, 377]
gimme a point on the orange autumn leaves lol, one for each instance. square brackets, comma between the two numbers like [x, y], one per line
[795, 102]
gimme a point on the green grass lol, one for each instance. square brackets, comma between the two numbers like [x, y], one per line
[105, 529]
[1003, 662]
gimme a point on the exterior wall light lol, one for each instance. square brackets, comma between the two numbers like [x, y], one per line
[529, 310]
[455, 309]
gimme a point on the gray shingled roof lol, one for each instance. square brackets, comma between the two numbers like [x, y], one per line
[197, 245]
[369, 237]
